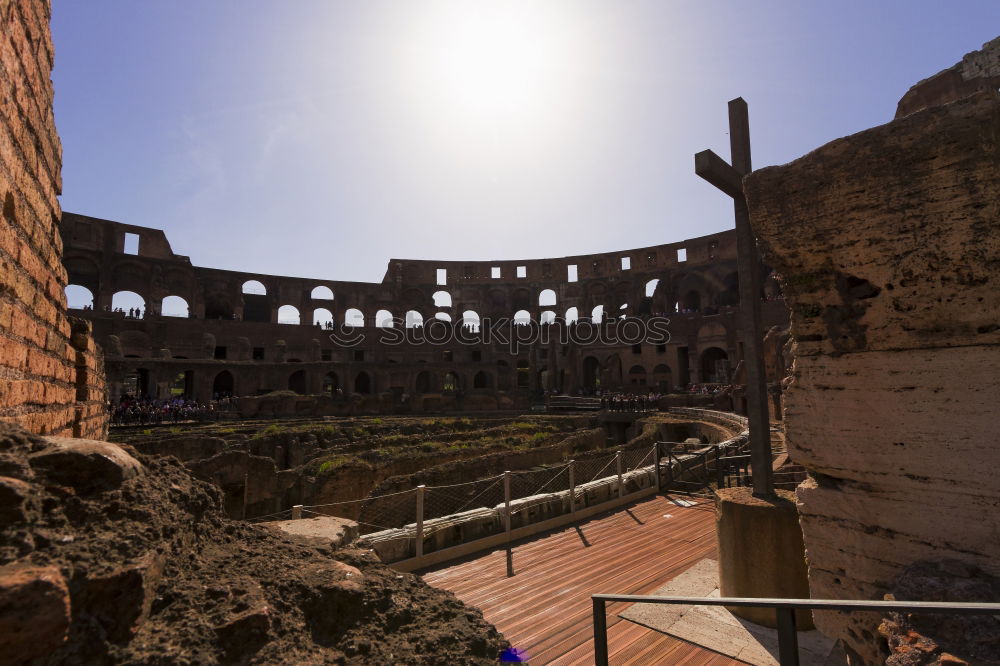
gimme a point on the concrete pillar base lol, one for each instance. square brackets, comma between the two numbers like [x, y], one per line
[761, 553]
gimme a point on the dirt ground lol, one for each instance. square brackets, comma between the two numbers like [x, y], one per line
[110, 556]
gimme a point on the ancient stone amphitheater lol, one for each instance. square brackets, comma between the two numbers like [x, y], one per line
[449, 414]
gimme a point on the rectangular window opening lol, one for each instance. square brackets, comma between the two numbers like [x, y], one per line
[571, 273]
[442, 276]
[258, 353]
[522, 271]
[682, 254]
[495, 272]
[131, 243]
[359, 354]
[626, 263]
[220, 352]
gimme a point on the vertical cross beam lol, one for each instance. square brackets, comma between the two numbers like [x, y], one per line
[729, 179]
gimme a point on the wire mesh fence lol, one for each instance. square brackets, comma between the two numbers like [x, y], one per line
[399, 509]
[447, 500]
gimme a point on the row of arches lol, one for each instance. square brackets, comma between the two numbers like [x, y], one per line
[224, 383]
[257, 288]
[79, 297]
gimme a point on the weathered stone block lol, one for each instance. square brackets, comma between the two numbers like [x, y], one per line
[34, 612]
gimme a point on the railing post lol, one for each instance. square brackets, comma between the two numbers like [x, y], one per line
[572, 489]
[600, 633]
[656, 465]
[788, 641]
[296, 512]
[419, 551]
[506, 518]
[670, 468]
[618, 465]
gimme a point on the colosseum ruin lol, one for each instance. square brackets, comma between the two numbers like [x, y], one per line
[431, 336]
[472, 462]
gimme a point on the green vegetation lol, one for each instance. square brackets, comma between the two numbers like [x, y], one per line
[272, 429]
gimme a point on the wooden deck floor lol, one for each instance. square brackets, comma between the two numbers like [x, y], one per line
[545, 609]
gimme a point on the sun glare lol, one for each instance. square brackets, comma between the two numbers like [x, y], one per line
[488, 63]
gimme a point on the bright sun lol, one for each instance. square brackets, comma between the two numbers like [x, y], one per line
[486, 62]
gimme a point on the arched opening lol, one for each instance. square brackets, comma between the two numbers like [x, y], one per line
[547, 317]
[423, 383]
[322, 318]
[520, 299]
[136, 383]
[414, 319]
[481, 380]
[442, 299]
[175, 306]
[297, 382]
[591, 373]
[442, 316]
[256, 304]
[383, 319]
[651, 287]
[730, 294]
[354, 317]
[363, 384]
[288, 314]
[223, 385]
[254, 287]
[597, 314]
[217, 306]
[182, 385]
[321, 293]
[129, 302]
[637, 375]
[523, 374]
[662, 378]
[522, 317]
[450, 383]
[331, 383]
[79, 298]
[714, 366]
[572, 315]
[691, 302]
[547, 297]
[470, 320]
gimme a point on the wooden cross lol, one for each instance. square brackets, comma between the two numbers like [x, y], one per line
[729, 179]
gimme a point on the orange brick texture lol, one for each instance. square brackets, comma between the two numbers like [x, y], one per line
[51, 375]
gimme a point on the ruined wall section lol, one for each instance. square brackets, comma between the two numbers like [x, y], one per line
[977, 71]
[38, 365]
[888, 242]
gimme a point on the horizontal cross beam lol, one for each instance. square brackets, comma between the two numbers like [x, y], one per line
[718, 172]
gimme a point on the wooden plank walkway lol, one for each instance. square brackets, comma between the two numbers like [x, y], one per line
[545, 608]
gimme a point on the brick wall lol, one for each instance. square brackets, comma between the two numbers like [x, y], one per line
[40, 385]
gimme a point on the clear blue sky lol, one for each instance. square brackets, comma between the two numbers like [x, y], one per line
[320, 138]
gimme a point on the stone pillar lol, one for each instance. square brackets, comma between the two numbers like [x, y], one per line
[761, 553]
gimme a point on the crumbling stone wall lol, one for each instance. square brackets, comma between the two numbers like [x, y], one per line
[49, 383]
[888, 242]
[977, 71]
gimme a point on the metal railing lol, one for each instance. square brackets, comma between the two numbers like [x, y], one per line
[788, 642]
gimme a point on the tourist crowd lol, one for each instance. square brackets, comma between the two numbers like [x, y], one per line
[146, 411]
[629, 402]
